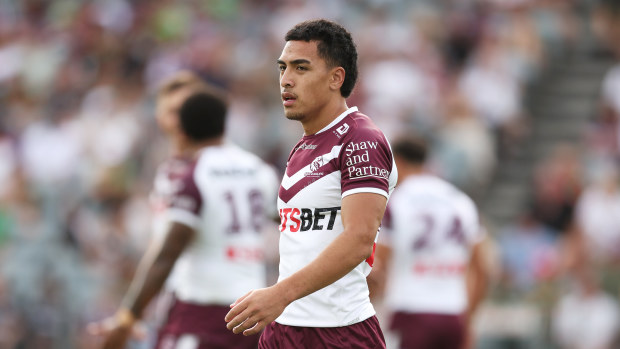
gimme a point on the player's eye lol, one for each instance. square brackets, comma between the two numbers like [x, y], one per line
[300, 67]
[281, 67]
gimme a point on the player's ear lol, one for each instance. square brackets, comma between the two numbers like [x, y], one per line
[336, 78]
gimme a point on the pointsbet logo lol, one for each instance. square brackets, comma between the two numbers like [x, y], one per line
[305, 219]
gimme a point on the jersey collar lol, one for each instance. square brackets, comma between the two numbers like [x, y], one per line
[338, 119]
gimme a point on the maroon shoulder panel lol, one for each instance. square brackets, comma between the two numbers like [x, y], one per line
[365, 157]
[175, 186]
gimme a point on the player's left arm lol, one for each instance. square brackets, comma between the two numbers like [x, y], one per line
[378, 277]
[153, 270]
[361, 216]
[477, 278]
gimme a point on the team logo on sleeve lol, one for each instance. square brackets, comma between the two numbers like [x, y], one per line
[359, 161]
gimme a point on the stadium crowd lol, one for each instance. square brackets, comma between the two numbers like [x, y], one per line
[79, 143]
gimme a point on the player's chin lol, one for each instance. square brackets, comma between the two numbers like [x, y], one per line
[291, 115]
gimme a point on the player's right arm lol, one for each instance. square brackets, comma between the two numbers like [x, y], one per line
[155, 266]
[152, 272]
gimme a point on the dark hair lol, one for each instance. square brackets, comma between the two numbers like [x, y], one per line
[180, 80]
[413, 150]
[335, 46]
[203, 115]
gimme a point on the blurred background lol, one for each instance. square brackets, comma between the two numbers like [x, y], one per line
[519, 98]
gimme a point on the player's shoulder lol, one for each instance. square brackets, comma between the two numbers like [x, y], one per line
[231, 158]
[228, 153]
[363, 125]
[176, 167]
[437, 186]
[460, 199]
[357, 128]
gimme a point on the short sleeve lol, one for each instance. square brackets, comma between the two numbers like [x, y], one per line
[365, 163]
[185, 202]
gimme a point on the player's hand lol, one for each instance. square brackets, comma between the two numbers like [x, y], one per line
[116, 331]
[251, 313]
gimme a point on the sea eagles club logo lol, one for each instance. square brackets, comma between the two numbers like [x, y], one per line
[317, 163]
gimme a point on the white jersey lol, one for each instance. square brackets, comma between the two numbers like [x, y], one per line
[348, 156]
[430, 227]
[224, 196]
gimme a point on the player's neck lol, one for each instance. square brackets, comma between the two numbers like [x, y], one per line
[188, 149]
[405, 172]
[324, 117]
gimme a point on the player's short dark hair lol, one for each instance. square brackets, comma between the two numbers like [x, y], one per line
[335, 46]
[412, 150]
[180, 80]
[203, 115]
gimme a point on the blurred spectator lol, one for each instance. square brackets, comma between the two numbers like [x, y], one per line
[605, 23]
[530, 254]
[8, 165]
[11, 329]
[494, 92]
[598, 215]
[466, 151]
[557, 185]
[586, 317]
[603, 135]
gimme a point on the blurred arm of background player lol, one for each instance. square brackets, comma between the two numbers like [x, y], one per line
[477, 280]
[150, 276]
[162, 253]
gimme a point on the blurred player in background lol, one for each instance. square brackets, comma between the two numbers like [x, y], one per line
[429, 257]
[331, 202]
[210, 199]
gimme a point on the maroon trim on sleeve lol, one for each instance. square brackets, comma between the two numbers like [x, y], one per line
[185, 195]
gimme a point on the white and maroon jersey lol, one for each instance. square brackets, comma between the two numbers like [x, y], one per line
[430, 226]
[350, 155]
[224, 195]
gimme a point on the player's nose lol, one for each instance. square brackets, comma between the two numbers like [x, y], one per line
[286, 80]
